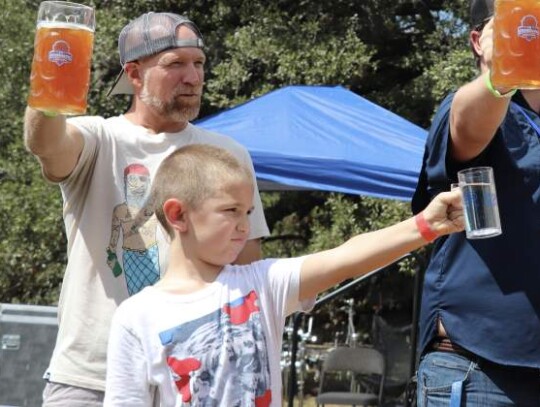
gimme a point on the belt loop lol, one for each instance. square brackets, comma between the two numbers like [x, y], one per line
[455, 395]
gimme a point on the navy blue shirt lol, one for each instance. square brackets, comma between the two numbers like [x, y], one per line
[487, 291]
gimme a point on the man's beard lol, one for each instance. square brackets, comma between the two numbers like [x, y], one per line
[174, 109]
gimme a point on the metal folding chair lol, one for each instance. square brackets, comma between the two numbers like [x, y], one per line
[395, 344]
[358, 361]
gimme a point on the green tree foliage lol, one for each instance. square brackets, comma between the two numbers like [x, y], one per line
[281, 50]
[402, 54]
[32, 244]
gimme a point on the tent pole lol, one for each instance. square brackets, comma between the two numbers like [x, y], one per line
[292, 369]
[417, 300]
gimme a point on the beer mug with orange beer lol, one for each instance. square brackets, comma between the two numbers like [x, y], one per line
[516, 44]
[62, 57]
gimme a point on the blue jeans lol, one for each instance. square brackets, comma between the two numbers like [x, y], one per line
[484, 383]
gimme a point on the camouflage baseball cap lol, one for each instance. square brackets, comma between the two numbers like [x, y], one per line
[148, 35]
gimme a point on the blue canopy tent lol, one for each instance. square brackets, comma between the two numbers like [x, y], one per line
[325, 138]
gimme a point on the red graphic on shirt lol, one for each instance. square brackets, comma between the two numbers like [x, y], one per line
[183, 368]
[240, 313]
[264, 400]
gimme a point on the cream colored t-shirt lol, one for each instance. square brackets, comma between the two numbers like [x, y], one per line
[115, 246]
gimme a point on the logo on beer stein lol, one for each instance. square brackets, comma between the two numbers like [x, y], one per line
[59, 54]
[528, 29]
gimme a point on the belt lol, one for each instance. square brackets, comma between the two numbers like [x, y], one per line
[442, 344]
[446, 345]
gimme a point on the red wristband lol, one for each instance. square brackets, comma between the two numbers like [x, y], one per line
[425, 230]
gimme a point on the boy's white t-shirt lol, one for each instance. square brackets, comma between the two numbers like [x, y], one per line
[219, 346]
[104, 205]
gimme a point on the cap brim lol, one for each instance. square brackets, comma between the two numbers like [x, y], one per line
[121, 86]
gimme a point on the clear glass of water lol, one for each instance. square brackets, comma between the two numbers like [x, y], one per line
[477, 186]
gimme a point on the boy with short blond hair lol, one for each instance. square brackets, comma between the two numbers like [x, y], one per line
[204, 170]
[209, 333]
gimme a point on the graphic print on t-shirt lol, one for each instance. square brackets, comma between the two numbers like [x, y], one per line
[221, 357]
[135, 221]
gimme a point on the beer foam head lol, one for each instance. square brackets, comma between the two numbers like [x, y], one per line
[481, 10]
[148, 35]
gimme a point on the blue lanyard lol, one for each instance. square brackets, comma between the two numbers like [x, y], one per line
[456, 394]
[531, 122]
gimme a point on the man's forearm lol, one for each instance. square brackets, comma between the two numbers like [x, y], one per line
[475, 116]
[43, 134]
[56, 144]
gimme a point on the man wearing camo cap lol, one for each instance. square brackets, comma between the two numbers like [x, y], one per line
[104, 167]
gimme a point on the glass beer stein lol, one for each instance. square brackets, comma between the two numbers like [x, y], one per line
[516, 44]
[62, 57]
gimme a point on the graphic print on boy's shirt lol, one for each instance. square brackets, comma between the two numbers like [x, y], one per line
[221, 356]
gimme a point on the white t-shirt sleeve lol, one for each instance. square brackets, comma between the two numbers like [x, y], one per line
[91, 129]
[127, 383]
[283, 279]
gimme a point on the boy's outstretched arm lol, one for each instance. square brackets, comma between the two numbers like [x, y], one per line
[369, 251]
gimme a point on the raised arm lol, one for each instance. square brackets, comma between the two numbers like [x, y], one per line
[56, 144]
[370, 251]
[476, 113]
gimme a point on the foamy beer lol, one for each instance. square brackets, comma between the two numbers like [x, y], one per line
[516, 44]
[62, 57]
